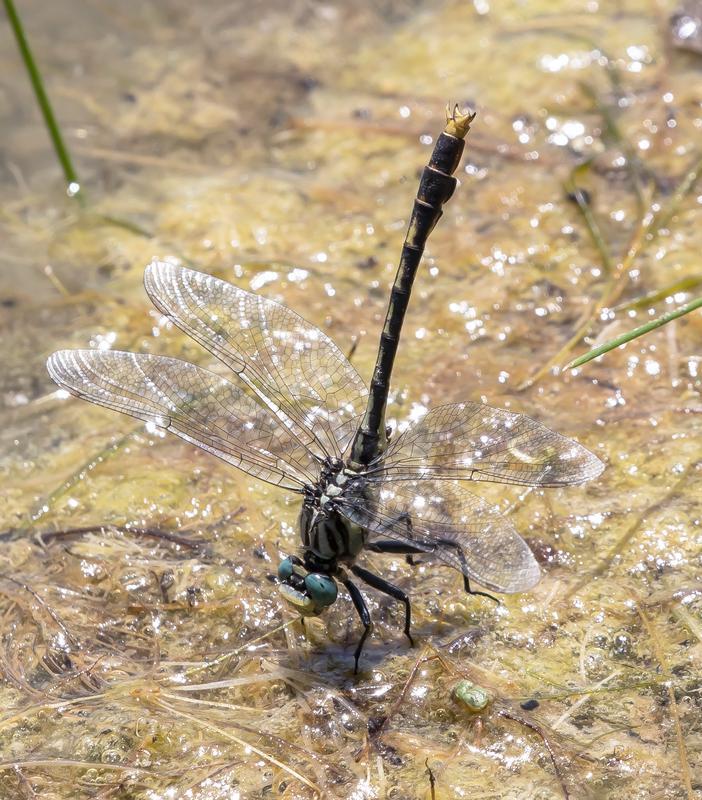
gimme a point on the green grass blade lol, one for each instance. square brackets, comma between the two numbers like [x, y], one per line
[640, 331]
[648, 300]
[73, 184]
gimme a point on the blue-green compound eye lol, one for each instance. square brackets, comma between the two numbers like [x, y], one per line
[322, 589]
[285, 569]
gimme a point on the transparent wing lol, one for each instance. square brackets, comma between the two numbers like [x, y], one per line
[446, 520]
[197, 405]
[471, 441]
[297, 370]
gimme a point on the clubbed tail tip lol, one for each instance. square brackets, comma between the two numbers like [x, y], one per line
[458, 121]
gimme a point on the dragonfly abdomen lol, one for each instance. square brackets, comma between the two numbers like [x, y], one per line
[436, 187]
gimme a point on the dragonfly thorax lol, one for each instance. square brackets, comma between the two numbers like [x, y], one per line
[333, 479]
[328, 540]
[327, 536]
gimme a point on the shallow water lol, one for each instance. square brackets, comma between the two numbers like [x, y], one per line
[278, 146]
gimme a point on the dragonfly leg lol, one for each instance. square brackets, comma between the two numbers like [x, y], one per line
[462, 558]
[392, 546]
[388, 588]
[489, 596]
[362, 610]
[398, 548]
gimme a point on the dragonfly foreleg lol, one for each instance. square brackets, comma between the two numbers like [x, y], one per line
[362, 611]
[388, 588]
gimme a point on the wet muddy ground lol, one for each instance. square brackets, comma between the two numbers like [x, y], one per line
[144, 652]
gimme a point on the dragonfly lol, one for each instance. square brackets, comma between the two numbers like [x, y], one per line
[295, 413]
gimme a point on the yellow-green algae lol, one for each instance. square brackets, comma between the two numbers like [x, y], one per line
[278, 146]
[474, 698]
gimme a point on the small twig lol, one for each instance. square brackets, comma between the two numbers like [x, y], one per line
[432, 780]
[49, 610]
[217, 661]
[62, 763]
[153, 533]
[593, 690]
[507, 714]
[25, 784]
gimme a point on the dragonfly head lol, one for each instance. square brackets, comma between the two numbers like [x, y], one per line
[309, 593]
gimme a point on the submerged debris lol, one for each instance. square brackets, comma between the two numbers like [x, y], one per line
[474, 698]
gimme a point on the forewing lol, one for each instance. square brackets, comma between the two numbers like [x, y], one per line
[197, 405]
[471, 441]
[438, 517]
[303, 376]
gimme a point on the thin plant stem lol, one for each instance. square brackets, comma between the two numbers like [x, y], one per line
[685, 186]
[646, 231]
[214, 662]
[126, 224]
[632, 531]
[612, 128]
[149, 533]
[685, 776]
[570, 711]
[616, 284]
[648, 300]
[46, 505]
[612, 344]
[73, 184]
[599, 690]
[593, 226]
[225, 734]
